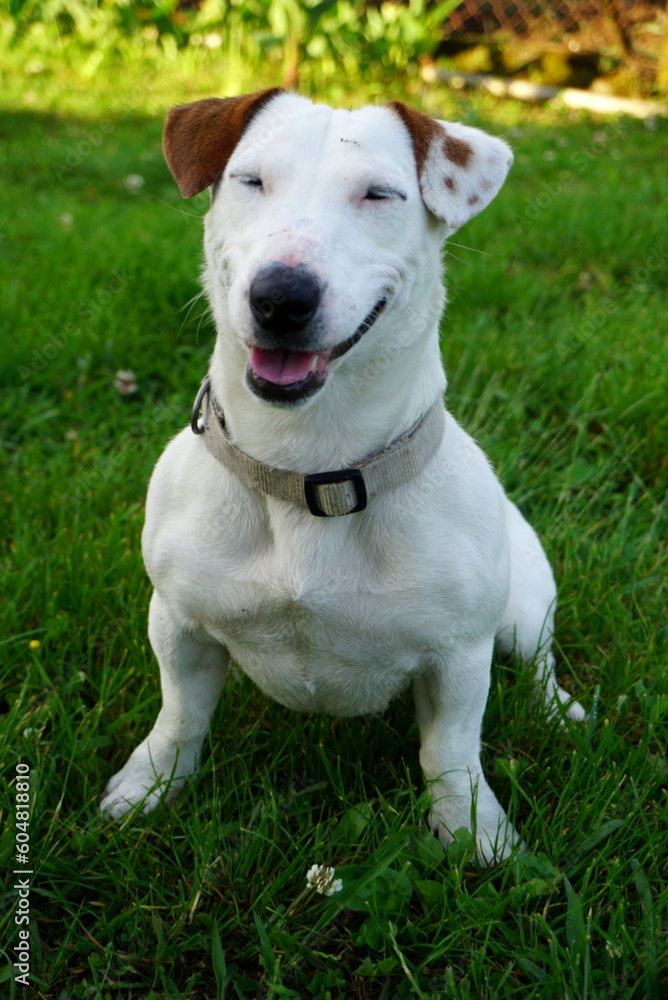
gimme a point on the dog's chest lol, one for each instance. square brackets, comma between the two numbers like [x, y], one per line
[321, 626]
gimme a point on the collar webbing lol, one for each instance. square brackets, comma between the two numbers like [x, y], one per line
[325, 494]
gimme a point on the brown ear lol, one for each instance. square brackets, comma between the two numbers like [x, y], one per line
[199, 138]
[423, 129]
[460, 169]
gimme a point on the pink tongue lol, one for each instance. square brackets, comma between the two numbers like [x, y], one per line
[283, 367]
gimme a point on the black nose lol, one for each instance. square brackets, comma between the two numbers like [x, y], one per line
[284, 299]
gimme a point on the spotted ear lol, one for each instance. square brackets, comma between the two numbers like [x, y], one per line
[199, 138]
[460, 169]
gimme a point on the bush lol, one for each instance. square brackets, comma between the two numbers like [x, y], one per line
[294, 39]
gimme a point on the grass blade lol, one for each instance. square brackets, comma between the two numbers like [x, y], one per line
[535, 970]
[578, 941]
[218, 962]
[592, 715]
[650, 959]
[265, 947]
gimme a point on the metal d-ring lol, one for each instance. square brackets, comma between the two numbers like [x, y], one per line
[198, 426]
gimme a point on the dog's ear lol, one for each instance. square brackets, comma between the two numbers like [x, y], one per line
[460, 169]
[199, 138]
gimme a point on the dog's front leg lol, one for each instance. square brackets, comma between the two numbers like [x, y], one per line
[192, 673]
[450, 698]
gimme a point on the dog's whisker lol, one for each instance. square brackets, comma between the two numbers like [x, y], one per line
[455, 257]
[208, 315]
[179, 211]
[192, 302]
[460, 246]
[190, 305]
[202, 318]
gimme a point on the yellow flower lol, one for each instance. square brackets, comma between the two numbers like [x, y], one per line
[34, 644]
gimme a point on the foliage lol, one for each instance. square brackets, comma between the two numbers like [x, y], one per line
[297, 38]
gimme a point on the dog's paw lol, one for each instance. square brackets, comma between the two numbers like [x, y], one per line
[557, 702]
[573, 708]
[151, 775]
[493, 844]
[496, 844]
[495, 836]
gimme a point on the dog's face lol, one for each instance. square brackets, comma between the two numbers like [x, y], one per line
[312, 249]
[323, 223]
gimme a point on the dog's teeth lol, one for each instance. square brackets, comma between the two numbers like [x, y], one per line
[314, 363]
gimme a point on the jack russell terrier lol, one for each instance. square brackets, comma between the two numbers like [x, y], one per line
[329, 525]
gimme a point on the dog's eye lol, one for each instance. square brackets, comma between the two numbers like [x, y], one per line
[249, 180]
[380, 193]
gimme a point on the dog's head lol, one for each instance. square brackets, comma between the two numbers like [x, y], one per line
[323, 223]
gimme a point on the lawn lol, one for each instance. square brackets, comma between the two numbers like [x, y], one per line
[554, 341]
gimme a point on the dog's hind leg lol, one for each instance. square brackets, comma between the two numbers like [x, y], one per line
[528, 622]
[192, 673]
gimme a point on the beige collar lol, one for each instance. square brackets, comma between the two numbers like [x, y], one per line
[325, 494]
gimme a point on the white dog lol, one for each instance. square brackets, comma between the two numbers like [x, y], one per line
[329, 525]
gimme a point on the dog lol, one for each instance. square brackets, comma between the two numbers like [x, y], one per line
[329, 525]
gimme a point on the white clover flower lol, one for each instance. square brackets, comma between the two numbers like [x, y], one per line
[322, 879]
[134, 183]
[125, 382]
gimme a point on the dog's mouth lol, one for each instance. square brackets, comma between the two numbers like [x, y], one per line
[280, 375]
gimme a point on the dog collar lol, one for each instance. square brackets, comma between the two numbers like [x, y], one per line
[325, 494]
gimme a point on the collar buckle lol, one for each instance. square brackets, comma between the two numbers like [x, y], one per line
[331, 494]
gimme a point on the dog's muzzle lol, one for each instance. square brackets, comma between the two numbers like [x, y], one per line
[285, 305]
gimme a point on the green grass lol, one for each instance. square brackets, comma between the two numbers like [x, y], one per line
[555, 348]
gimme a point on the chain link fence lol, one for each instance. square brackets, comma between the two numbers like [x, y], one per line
[610, 35]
